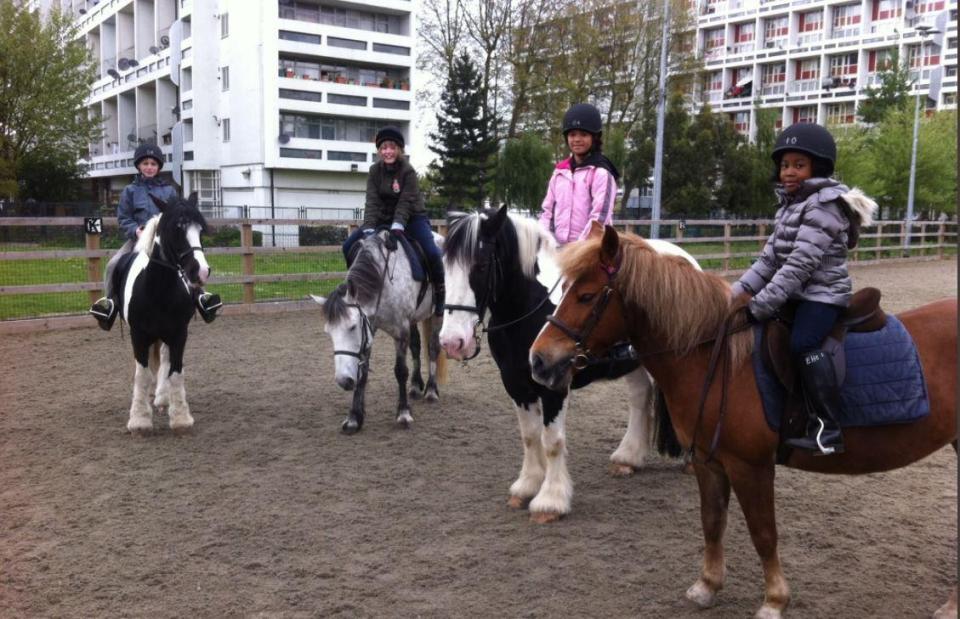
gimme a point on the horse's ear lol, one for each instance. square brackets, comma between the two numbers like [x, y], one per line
[596, 229]
[610, 246]
[320, 300]
[192, 200]
[351, 289]
[497, 220]
[160, 204]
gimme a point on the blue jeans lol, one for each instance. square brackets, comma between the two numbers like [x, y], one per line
[811, 325]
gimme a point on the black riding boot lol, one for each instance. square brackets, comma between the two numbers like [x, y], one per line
[821, 394]
[209, 303]
[439, 289]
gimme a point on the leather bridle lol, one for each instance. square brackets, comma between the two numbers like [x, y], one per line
[369, 329]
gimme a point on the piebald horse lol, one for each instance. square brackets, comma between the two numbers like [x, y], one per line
[504, 265]
[619, 287]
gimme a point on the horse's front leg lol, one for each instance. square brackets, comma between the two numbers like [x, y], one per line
[634, 446]
[714, 502]
[354, 421]
[533, 469]
[754, 488]
[400, 371]
[416, 377]
[433, 351]
[556, 494]
[180, 418]
[141, 415]
[161, 398]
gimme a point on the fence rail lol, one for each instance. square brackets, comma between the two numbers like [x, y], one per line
[40, 281]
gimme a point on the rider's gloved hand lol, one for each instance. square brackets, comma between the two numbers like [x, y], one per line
[396, 231]
[368, 231]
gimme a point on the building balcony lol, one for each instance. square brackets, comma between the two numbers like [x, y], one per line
[809, 38]
[845, 33]
[808, 85]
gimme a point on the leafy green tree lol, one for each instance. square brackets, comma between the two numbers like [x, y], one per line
[526, 164]
[892, 94]
[45, 72]
[877, 160]
[464, 139]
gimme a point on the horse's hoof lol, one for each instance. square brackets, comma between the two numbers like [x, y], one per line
[518, 502]
[768, 612]
[701, 594]
[432, 395]
[687, 469]
[141, 431]
[414, 393]
[404, 419]
[617, 469]
[545, 517]
[350, 427]
[182, 430]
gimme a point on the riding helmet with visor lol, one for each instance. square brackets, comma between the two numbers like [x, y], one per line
[808, 138]
[584, 117]
[148, 150]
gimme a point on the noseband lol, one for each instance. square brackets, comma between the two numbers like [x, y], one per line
[363, 355]
[583, 356]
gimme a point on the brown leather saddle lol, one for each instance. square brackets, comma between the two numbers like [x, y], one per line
[862, 315]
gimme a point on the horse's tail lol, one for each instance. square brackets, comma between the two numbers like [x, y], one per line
[666, 437]
[426, 334]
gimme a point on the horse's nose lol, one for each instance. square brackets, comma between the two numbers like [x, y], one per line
[452, 346]
[204, 274]
[537, 364]
[346, 383]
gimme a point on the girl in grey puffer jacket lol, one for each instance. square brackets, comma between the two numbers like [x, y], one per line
[805, 260]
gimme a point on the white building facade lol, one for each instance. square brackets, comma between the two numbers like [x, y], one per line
[269, 104]
[813, 60]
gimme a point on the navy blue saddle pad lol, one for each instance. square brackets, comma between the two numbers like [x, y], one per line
[884, 381]
[416, 257]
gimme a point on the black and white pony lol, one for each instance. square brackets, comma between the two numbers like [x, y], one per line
[504, 264]
[156, 286]
[380, 293]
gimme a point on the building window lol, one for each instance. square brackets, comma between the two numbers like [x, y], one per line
[772, 78]
[713, 42]
[742, 83]
[207, 185]
[886, 9]
[805, 114]
[844, 65]
[224, 79]
[391, 49]
[329, 128]
[225, 124]
[224, 25]
[741, 122]
[339, 16]
[346, 100]
[300, 37]
[846, 21]
[339, 155]
[348, 43]
[302, 95]
[811, 28]
[391, 104]
[928, 6]
[743, 36]
[301, 153]
[840, 113]
[775, 30]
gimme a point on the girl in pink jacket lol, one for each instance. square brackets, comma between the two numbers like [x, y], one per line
[584, 186]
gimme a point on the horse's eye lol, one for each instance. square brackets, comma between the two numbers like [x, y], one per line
[353, 328]
[586, 297]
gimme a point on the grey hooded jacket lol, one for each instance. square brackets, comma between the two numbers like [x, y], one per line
[805, 257]
[136, 207]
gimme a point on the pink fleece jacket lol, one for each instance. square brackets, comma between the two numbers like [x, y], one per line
[574, 198]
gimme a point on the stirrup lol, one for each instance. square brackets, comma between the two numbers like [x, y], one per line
[209, 303]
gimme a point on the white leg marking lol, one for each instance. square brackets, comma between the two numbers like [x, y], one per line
[141, 415]
[162, 398]
[556, 494]
[635, 444]
[180, 418]
[701, 594]
[534, 460]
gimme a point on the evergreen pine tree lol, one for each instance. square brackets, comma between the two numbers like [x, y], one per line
[464, 138]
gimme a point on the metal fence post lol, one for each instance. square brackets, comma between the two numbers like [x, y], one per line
[246, 242]
[93, 266]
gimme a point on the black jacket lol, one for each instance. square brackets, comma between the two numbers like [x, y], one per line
[392, 195]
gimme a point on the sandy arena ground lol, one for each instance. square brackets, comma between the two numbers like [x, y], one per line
[265, 509]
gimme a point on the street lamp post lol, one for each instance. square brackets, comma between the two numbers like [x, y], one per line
[923, 30]
[661, 113]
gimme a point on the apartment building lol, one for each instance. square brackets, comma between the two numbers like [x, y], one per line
[813, 60]
[269, 103]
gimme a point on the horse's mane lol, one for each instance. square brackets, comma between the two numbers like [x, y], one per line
[522, 233]
[365, 276]
[148, 236]
[335, 307]
[683, 305]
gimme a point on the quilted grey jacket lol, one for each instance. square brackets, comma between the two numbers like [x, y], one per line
[805, 257]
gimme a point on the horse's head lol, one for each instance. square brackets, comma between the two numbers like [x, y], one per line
[473, 272]
[590, 316]
[350, 331]
[178, 233]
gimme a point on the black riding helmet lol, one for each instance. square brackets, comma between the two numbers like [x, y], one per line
[808, 138]
[584, 117]
[148, 150]
[389, 133]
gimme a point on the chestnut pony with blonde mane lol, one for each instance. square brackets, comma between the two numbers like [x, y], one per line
[671, 314]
